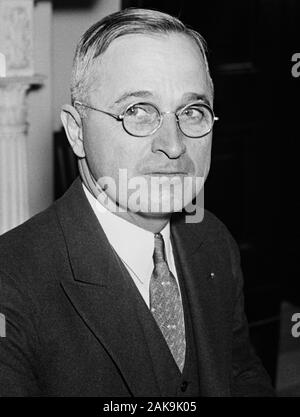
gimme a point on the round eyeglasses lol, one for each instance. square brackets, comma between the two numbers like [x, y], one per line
[195, 120]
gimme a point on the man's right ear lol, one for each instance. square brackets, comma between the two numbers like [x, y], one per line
[73, 127]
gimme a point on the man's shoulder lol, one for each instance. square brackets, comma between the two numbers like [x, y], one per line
[30, 239]
[215, 226]
[209, 235]
[208, 227]
[45, 221]
[36, 238]
[213, 222]
[217, 231]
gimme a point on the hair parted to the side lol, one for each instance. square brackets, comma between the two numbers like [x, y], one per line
[98, 37]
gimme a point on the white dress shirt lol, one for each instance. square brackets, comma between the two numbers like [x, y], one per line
[133, 245]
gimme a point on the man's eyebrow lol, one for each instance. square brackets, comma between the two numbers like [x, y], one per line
[191, 96]
[139, 93]
[196, 97]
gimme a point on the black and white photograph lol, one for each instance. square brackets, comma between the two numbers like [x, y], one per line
[149, 235]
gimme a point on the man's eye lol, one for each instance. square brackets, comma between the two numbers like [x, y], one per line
[193, 112]
[137, 111]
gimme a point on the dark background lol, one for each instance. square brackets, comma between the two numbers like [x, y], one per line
[253, 183]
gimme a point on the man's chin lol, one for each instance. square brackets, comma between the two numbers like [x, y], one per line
[154, 215]
[157, 207]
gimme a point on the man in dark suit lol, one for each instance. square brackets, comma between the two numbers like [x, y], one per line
[111, 291]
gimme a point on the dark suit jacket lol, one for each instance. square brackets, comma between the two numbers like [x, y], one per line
[71, 329]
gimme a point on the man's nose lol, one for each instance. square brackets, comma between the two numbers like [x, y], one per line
[169, 139]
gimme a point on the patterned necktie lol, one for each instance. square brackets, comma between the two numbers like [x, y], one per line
[166, 304]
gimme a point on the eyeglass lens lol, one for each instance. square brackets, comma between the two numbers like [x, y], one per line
[142, 119]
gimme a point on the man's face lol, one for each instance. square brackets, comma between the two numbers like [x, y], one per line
[169, 72]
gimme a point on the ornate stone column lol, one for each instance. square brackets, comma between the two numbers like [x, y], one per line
[16, 78]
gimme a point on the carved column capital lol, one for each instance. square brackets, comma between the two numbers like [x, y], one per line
[16, 36]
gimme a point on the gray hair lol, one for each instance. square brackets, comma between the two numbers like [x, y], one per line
[98, 37]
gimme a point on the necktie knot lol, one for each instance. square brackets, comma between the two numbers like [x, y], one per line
[159, 254]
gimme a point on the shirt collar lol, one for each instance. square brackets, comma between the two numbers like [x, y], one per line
[133, 244]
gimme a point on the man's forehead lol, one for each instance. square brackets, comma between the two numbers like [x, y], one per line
[149, 50]
[149, 43]
[153, 63]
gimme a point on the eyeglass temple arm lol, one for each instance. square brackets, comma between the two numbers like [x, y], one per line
[115, 116]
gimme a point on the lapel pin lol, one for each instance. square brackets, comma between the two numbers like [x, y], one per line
[212, 275]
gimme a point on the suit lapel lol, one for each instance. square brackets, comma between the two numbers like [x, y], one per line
[101, 296]
[197, 263]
